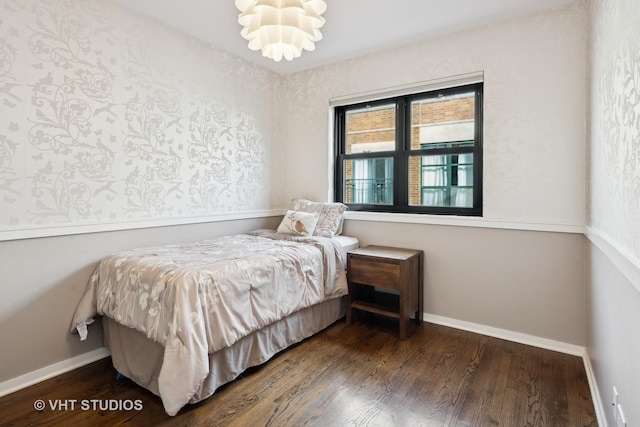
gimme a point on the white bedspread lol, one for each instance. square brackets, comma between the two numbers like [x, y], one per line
[197, 298]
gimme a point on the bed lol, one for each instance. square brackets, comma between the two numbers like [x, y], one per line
[182, 320]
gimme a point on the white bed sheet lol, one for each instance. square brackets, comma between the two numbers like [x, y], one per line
[347, 244]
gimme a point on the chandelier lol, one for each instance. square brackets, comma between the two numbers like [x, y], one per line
[281, 28]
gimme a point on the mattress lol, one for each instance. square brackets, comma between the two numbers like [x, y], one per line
[347, 244]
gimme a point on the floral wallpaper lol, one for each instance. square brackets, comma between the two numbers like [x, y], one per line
[615, 122]
[535, 83]
[105, 116]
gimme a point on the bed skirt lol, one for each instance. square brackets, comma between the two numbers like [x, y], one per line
[140, 359]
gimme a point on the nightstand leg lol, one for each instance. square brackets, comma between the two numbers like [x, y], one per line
[404, 315]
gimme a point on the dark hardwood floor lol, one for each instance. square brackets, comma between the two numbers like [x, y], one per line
[360, 375]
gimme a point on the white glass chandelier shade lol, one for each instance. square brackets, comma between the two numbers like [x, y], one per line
[281, 28]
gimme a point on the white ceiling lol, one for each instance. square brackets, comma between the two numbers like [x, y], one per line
[353, 27]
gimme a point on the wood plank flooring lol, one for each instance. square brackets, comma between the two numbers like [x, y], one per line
[359, 375]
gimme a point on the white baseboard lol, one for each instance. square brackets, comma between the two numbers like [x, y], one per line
[51, 371]
[595, 394]
[532, 340]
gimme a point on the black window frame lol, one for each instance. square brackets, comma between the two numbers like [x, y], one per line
[403, 152]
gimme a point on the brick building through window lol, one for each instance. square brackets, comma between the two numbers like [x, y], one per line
[440, 144]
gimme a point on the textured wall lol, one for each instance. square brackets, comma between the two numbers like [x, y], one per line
[105, 116]
[534, 108]
[615, 123]
[613, 303]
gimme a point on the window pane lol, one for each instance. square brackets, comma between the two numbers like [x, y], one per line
[435, 135]
[370, 130]
[369, 181]
[443, 121]
[441, 180]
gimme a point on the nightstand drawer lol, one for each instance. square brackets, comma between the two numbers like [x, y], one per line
[374, 273]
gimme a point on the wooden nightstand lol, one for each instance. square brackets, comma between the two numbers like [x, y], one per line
[395, 269]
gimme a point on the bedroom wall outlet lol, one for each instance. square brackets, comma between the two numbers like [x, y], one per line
[614, 403]
[621, 421]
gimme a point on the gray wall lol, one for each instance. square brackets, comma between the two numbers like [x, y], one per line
[613, 341]
[43, 280]
[522, 281]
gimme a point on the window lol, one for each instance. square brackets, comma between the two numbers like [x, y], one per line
[419, 153]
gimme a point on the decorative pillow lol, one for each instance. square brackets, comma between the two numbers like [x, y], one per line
[330, 215]
[300, 223]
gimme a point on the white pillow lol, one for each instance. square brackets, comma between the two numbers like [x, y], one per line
[330, 214]
[300, 223]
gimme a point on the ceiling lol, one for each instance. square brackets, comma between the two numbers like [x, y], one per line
[353, 27]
